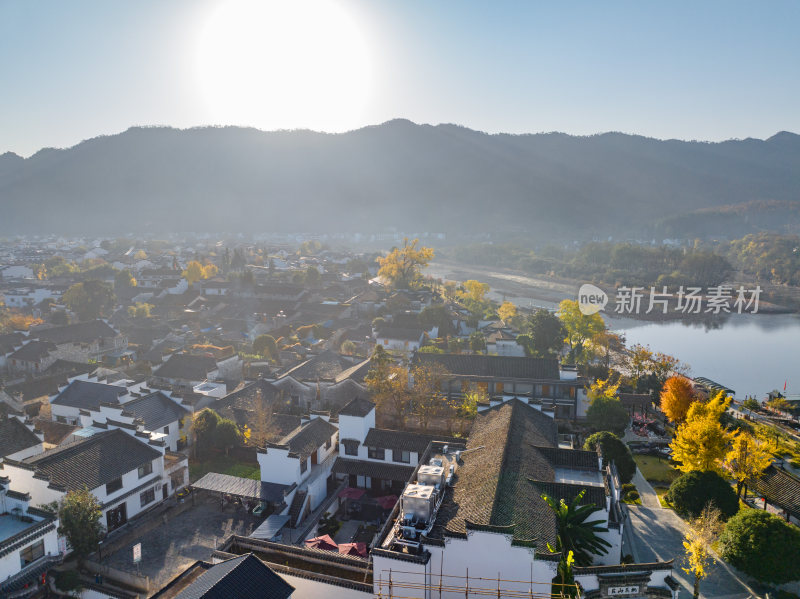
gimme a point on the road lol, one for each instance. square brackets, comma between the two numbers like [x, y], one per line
[656, 534]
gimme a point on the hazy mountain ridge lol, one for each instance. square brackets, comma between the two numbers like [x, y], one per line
[413, 177]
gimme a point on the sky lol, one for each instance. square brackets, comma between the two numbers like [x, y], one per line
[711, 70]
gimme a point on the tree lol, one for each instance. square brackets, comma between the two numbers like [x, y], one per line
[469, 403]
[547, 334]
[348, 348]
[477, 342]
[79, 515]
[402, 266]
[312, 276]
[507, 312]
[747, 459]
[140, 310]
[124, 279]
[677, 396]
[574, 532]
[388, 386]
[193, 273]
[427, 399]
[692, 491]
[210, 271]
[751, 404]
[762, 545]
[779, 404]
[613, 450]
[701, 442]
[580, 328]
[475, 290]
[204, 424]
[606, 342]
[90, 299]
[140, 255]
[607, 414]
[226, 434]
[265, 345]
[700, 536]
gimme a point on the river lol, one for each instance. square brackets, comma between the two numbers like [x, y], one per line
[749, 353]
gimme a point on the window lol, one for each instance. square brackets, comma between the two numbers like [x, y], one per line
[350, 447]
[61, 419]
[328, 444]
[31, 553]
[113, 486]
[166, 430]
[303, 465]
[401, 456]
[377, 453]
[145, 469]
[148, 496]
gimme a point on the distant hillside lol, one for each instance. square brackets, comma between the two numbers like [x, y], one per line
[412, 177]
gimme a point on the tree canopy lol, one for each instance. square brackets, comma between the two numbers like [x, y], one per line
[676, 397]
[701, 442]
[607, 414]
[580, 328]
[613, 449]
[692, 491]
[763, 546]
[747, 458]
[546, 333]
[79, 521]
[402, 266]
[90, 299]
[575, 532]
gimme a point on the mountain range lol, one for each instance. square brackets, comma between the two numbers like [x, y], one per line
[400, 175]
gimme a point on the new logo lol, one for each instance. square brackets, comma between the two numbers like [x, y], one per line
[591, 299]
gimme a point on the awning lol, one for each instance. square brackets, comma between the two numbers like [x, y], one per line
[357, 549]
[387, 501]
[241, 487]
[270, 527]
[325, 542]
[351, 493]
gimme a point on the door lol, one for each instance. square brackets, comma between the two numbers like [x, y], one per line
[116, 517]
[164, 491]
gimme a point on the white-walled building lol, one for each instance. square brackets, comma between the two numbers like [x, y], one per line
[19, 440]
[28, 543]
[125, 473]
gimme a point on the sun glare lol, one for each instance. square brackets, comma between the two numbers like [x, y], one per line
[283, 65]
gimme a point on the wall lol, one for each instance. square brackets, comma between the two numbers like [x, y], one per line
[278, 467]
[10, 563]
[353, 427]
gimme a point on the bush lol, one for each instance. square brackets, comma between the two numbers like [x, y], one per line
[615, 450]
[690, 492]
[628, 487]
[608, 414]
[68, 580]
[631, 495]
[763, 546]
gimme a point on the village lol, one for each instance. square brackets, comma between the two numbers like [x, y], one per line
[277, 414]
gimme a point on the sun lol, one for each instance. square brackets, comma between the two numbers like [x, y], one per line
[283, 65]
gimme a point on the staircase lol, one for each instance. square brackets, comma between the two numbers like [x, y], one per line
[296, 509]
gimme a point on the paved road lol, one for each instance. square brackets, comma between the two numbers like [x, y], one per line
[656, 534]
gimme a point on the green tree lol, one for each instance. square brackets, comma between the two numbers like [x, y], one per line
[79, 516]
[265, 345]
[204, 424]
[751, 404]
[477, 342]
[348, 348]
[607, 414]
[613, 450]
[763, 546]
[140, 310]
[90, 299]
[226, 434]
[402, 266]
[580, 329]
[546, 332]
[692, 491]
[575, 532]
[124, 279]
[312, 276]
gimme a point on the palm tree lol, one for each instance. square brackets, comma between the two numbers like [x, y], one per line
[574, 533]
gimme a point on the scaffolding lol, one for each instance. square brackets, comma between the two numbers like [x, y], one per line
[389, 584]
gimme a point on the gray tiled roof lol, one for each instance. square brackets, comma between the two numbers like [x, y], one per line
[9, 341]
[93, 461]
[357, 407]
[187, 367]
[15, 436]
[155, 410]
[501, 367]
[324, 367]
[493, 485]
[780, 488]
[570, 458]
[80, 332]
[243, 577]
[377, 470]
[402, 440]
[311, 435]
[89, 395]
[33, 351]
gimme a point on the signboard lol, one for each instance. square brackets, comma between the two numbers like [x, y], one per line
[137, 553]
[620, 591]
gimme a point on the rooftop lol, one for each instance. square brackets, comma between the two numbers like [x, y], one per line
[507, 367]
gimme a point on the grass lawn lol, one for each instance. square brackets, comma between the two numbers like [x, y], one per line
[661, 491]
[223, 465]
[656, 470]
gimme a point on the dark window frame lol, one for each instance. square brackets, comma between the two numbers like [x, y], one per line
[303, 465]
[114, 486]
[147, 497]
[398, 454]
[376, 453]
[145, 469]
[31, 553]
